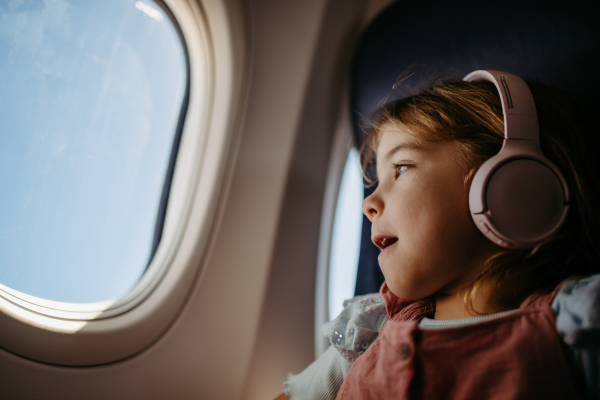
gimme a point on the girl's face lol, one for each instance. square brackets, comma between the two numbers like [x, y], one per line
[421, 219]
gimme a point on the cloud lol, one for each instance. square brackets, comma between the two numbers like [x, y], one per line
[13, 4]
[25, 29]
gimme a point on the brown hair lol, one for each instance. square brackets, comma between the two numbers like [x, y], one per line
[470, 114]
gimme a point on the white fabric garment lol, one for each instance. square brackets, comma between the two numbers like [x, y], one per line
[321, 380]
[357, 326]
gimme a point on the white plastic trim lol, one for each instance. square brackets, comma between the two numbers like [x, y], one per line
[98, 333]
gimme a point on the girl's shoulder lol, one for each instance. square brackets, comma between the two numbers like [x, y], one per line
[577, 310]
[576, 306]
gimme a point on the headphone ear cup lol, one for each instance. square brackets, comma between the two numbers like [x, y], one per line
[518, 198]
[525, 203]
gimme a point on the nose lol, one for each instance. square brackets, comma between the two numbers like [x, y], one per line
[372, 205]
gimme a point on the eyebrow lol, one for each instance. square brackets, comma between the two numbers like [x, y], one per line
[411, 146]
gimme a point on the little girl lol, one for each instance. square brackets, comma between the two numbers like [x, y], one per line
[462, 314]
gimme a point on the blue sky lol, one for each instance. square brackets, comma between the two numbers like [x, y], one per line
[90, 93]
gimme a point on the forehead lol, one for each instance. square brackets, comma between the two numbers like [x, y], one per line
[395, 139]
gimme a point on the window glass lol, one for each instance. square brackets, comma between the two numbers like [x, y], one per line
[91, 94]
[345, 243]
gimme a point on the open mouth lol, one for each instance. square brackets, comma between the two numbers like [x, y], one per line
[382, 241]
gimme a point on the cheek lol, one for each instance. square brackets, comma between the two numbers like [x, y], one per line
[432, 213]
[437, 239]
[451, 230]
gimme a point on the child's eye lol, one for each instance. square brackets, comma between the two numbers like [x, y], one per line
[399, 169]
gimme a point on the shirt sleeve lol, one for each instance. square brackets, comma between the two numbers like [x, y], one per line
[321, 380]
[577, 310]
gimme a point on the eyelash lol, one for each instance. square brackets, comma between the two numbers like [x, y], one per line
[397, 168]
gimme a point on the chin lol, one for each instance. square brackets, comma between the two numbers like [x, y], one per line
[407, 293]
[406, 283]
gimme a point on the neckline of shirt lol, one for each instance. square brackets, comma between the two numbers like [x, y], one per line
[428, 323]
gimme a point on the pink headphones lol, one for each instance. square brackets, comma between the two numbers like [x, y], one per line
[518, 198]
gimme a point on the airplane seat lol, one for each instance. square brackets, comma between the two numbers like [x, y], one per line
[554, 42]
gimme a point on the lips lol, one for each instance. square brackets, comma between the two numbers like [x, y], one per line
[383, 242]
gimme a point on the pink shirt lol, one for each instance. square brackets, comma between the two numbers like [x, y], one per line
[517, 356]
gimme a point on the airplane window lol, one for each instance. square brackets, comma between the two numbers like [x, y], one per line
[345, 243]
[91, 94]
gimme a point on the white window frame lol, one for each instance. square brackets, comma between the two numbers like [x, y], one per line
[97, 333]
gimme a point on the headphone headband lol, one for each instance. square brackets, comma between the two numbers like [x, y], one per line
[518, 107]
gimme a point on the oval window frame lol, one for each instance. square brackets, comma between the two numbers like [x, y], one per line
[84, 334]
